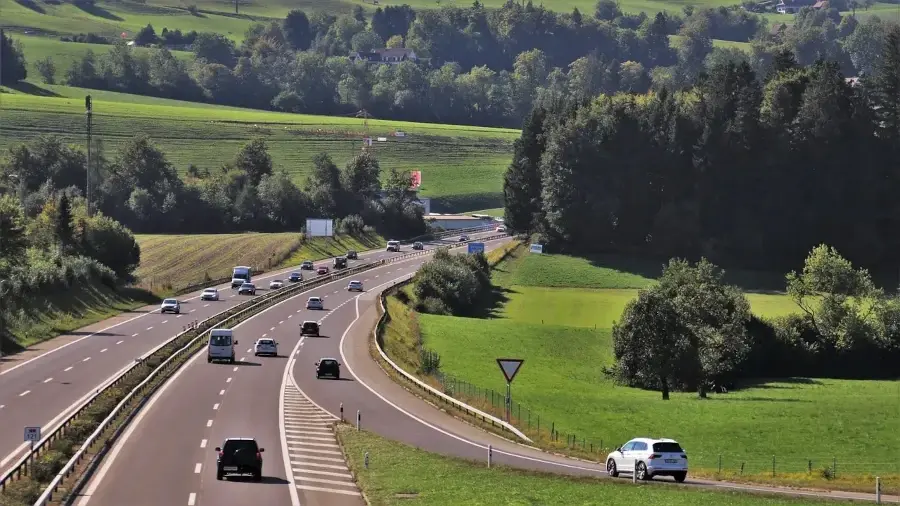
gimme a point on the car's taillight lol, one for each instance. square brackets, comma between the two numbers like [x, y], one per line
[221, 454]
[655, 456]
[258, 456]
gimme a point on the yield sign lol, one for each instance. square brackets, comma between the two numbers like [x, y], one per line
[510, 366]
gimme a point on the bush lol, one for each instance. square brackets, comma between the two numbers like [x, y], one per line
[23, 492]
[79, 430]
[452, 284]
[65, 446]
[47, 465]
[351, 225]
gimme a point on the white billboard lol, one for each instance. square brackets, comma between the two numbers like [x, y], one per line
[319, 227]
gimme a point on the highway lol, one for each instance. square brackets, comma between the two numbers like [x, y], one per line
[40, 390]
[166, 456]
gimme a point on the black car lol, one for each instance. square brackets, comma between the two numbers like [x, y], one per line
[340, 262]
[309, 328]
[352, 255]
[418, 245]
[295, 277]
[328, 367]
[239, 455]
[307, 265]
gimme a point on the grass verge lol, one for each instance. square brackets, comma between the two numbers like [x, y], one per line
[558, 394]
[400, 473]
[175, 263]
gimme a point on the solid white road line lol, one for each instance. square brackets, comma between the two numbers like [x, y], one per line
[323, 466]
[285, 452]
[323, 473]
[330, 490]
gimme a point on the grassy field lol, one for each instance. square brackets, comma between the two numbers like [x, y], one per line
[461, 165]
[400, 474]
[78, 307]
[172, 262]
[556, 313]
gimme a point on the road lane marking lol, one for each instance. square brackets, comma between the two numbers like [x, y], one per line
[103, 350]
[205, 305]
[203, 443]
[48, 380]
[235, 369]
[165, 322]
[242, 359]
[119, 342]
[26, 392]
[192, 499]
[192, 310]
[179, 316]
[330, 490]
[67, 369]
[209, 423]
[2, 406]
[290, 316]
[215, 406]
[85, 360]
[264, 335]
[248, 351]
[149, 328]
[197, 467]
[323, 466]
[281, 322]
[271, 329]
[228, 380]
[134, 335]
[221, 392]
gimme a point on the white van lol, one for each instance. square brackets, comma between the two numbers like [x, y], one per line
[221, 345]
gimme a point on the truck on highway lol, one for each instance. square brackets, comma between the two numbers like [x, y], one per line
[241, 274]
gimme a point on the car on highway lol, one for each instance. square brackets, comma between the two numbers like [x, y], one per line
[323, 269]
[314, 303]
[501, 229]
[353, 255]
[328, 367]
[340, 262]
[221, 345]
[307, 265]
[648, 457]
[309, 328]
[241, 456]
[418, 245]
[393, 245]
[170, 306]
[247, 289]
[210, 294]
[265, 346]
[355, 286]
[463, 238]
[275, 284]
[295, 277]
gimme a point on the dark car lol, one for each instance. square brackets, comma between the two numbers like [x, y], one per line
[328, 367]
[309, 328]
[295, 277]
[352, 255]
[418, 245]
[239, 455]
[307, 265]
[340, 262]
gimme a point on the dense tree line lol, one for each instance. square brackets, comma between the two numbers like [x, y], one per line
[693, 332]
[140, 188]
[452, 284]
[748, 170]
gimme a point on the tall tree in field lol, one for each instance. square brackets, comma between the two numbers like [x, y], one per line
[522, 181]
[63, 225]
[886, 84]
[12, 61]
[324, 187]
[254, 159]
[296, 30]
[360, 180]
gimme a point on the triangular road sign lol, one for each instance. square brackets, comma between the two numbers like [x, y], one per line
[510, 366]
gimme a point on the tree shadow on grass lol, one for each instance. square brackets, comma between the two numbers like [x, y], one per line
[33, 89]
[31, 4]
[756, 399]
[766, 383]
[494, 302]
[96, 10]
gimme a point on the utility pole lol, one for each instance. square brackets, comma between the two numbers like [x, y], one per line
[89, 113]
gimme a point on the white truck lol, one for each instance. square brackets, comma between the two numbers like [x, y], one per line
[241, 274]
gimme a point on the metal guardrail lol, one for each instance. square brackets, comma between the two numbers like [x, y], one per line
[254, 305]
[477, 413]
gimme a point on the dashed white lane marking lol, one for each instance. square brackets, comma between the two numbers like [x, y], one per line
[2, 406]
[215, 406]
[134, 335]
[228, 380]
[165, 322]
[48, 380]
[317, 465]
[179, 316]
[197, 467]
[203, 443]
[26, 392]
[103, 350]
[290, 316]
[149, 328]
[205, 305]
[234, 370]
[271, 329]
[221, 392]
[192, 499]
[299, 310]
[119, 342]
[85, 360]
[209, 423]
[192, 310]
[281, 322]
[248, 351]
[242, 359]
[67, 369]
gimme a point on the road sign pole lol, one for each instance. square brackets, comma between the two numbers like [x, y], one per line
[509, 367]
[508, 401]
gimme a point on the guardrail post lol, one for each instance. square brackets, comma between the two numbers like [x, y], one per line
[877, 490]
[342, 411]
[367, 460]
[490, 455]
[633, 475]
[358, 419]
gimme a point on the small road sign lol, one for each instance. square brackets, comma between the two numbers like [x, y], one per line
[32, 434]
[537, 248]
[476, 247]
[510, 366]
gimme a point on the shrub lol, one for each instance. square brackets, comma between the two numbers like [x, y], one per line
[65, 446]
[47, 465]
[22, 492]
[430, 362]
[79, 430]
[452, 284]
[351, 225]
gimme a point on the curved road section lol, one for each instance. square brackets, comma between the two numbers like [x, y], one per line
[42, 390]
[166, 456]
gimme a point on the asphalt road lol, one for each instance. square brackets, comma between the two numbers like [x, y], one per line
[40, 391]
[166, 455]
[206, 403]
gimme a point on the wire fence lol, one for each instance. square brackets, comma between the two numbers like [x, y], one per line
[545, 431]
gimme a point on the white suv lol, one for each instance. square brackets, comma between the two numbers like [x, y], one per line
[646, 458]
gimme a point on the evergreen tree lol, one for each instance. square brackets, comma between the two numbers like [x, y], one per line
[522, 181]
[63, 225]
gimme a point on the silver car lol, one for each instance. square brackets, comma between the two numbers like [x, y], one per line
[314, 303]
[265, 346]
[170, 306]
[210, 294]
[355, 286]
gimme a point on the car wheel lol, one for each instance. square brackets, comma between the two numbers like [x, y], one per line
[337, 376]
[642, 473]
[611, 469]
[679, 477]
[317, 376]
[256, 354]
[208, 360]
[231, 360]
[257, 476]
[219, 475]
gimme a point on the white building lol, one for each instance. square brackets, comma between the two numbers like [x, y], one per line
[457, 221]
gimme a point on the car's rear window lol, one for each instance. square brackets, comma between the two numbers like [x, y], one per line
[667, 448]
[220, 341]
[265, 341]
[234, 445]
[314, 299]
[328, 362]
